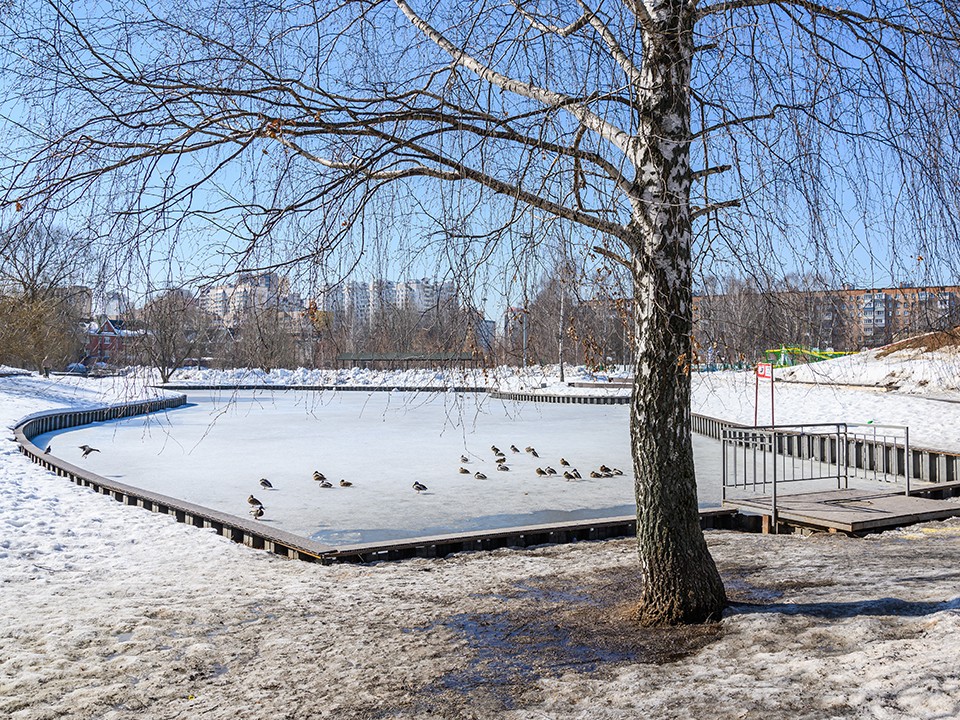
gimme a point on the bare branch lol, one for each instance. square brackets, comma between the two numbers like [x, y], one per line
[733, 123]
[600, 250]
[563, 32]
[609, 132]
[706, 172]
[712, 207]
[640, 11]
[847, 16]
[630, 68]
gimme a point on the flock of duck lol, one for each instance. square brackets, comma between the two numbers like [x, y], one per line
[571, 473]
[256, 507]
[500, 458]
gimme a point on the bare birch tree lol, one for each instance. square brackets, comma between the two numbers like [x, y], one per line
[664, 132]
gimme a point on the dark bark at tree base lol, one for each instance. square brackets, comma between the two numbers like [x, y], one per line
[686, 586]
[681, 583]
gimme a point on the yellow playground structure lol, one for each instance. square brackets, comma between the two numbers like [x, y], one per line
[784, 356]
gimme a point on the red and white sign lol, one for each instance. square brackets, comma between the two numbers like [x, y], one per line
[764, 371]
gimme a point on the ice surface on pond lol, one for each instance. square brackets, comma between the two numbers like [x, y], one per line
[215, 451]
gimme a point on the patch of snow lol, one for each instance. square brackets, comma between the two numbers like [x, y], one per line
[908, 371]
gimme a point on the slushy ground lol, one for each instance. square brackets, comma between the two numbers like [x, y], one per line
[113, 612]
[214, 452]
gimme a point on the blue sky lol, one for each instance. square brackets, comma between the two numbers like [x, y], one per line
[866, 236]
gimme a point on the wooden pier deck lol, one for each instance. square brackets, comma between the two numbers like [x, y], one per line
[849, 510]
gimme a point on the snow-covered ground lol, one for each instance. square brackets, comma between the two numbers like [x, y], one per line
[883, 386]
[511, 378]
[909, 370]
[933, 421]
[112, 612]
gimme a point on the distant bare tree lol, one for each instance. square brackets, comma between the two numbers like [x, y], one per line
[663, 131]
[574, 319]
[41, 305]
[739, 321]
[267, 338]
[38, 333]
[174, 329]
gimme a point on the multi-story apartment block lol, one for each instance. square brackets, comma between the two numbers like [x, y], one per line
[358, 303]
[114, 304]
[422, 295]
[882, 315]
[253, 291]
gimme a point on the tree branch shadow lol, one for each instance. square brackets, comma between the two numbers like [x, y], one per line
[879, 607]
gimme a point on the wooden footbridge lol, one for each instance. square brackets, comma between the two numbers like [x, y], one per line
[759, 463]
[848, 510]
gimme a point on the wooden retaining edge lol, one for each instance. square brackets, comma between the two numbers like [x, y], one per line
[337, 388]
[527, 536]
[248, 532]
[496, 394]
[611, 384]
[256, 535]
[926, 464]
[49, 420]
[562, 399]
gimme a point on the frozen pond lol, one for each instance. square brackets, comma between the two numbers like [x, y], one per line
[214, 451]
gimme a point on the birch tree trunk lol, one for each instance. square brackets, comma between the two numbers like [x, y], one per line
[680, 580]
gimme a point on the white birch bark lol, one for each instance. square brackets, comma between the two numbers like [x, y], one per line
[680, 579]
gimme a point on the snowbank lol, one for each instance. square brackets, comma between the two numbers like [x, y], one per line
[503, 377]
[911, 371]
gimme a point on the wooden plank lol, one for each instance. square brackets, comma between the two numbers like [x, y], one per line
[522, 536]
[921, 488]
[850, 510]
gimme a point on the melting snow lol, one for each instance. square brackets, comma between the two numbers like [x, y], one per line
[113, 612]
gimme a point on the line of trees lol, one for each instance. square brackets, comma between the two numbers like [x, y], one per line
[445, 328]
[42, 303]
[738, 319]
[43, 323]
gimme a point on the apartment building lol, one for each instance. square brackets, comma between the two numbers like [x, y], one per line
[357, 303]
[229, 302]
[748, 322]
[882, 315]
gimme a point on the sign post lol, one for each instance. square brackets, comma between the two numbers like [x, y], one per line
[765, 371]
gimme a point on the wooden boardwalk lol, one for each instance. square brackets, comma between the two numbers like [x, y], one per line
[849, 510]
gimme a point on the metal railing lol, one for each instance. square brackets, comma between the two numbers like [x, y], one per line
[879, 452]
[760, 459]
